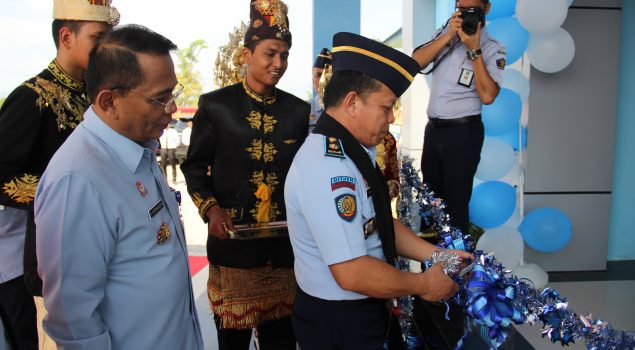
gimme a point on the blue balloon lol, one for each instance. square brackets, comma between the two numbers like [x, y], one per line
[511, 137]
[512, 34]
[546, 230]
[516, 82]
[492, 204]
[501, 8]
[502, 115]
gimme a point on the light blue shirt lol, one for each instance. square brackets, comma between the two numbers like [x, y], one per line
[321, 234]
[316, 111]
[108, 284]
[449, 99]
[12, 233]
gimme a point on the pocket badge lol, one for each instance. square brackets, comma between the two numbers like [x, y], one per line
[163, 234]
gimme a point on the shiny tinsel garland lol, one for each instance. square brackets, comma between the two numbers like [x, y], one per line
[494, 297]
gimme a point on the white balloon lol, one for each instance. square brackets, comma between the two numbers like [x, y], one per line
[506, 243]
[516, 81]
[534, 273]
[552, 52]
[497, 158]
[541, 16]
[514, 220]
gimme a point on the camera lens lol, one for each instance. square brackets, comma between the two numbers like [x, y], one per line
[471, 18]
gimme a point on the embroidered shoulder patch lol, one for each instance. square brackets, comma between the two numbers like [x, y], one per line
[342, 182]
[500, 63]
[346, 206]
[333, 147]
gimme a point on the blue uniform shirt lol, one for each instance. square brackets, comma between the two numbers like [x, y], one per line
[327, 206]
[448, 98]
[316, 111]
[100, 208]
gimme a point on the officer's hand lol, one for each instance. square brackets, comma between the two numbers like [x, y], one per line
[438, 285]
[455, 24]
[219, 223]
[471, 42]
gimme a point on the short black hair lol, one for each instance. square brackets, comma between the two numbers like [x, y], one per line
[344, 81]
[485, 2]
[113, 61]
[58, 24]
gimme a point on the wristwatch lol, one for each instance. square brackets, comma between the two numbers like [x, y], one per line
[473, 54]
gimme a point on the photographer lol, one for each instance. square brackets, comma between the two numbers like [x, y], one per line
[467, 71]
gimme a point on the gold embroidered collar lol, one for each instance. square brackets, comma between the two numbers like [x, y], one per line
[261, 99]
[64, 78]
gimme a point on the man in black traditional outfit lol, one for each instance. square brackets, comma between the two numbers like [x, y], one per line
[243, 141]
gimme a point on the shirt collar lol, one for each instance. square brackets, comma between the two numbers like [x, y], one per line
[130, 152]
[372, 152]
[64, 77]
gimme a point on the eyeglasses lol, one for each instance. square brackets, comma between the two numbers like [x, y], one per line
[167, 106]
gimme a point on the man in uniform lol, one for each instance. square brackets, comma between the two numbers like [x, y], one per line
[468, 72]
[317, 106]
[246, 135]
[35, 120]
[344, 238]
[111, 246]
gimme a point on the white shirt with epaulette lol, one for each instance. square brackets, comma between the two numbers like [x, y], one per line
[328, 206]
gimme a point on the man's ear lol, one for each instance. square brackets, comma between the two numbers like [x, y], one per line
[66, 37]
[488, 6]
[247, 55]
[349, 103]
[105, 102]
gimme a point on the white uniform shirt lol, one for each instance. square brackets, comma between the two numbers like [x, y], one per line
[448, 98]
[169, 139]
[327, 207]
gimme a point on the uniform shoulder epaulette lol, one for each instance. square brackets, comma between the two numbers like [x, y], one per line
[333, 147]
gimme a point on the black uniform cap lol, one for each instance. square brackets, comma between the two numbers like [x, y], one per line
[357, 53]
[323, 58]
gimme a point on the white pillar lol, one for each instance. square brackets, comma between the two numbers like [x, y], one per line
[418, 27]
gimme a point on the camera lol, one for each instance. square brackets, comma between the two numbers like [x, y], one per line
[471, 16]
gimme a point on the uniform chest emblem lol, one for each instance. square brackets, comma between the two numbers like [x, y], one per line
[163, 234]
[346, 206]
[142, 190]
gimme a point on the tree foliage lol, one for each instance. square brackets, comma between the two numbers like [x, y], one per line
[2, 100]
[188, 75]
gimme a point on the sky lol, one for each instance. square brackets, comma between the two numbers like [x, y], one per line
[27, 46]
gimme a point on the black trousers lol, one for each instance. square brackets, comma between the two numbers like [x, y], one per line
[19, 315]
[449, 161]
[272, 335]
[168, 156]
[344, 325]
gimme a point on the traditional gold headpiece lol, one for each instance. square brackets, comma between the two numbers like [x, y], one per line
[86, 10]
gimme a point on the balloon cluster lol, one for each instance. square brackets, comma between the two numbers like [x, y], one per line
[494, 297]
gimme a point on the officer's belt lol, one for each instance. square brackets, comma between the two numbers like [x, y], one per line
[354, 302]
[444, 123]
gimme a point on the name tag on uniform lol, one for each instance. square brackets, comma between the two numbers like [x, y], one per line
[155, 209]
[466, 77]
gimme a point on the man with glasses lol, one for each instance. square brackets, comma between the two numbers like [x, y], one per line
[248, 134]
[35, 120]
[111, 246]
[467, 72]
